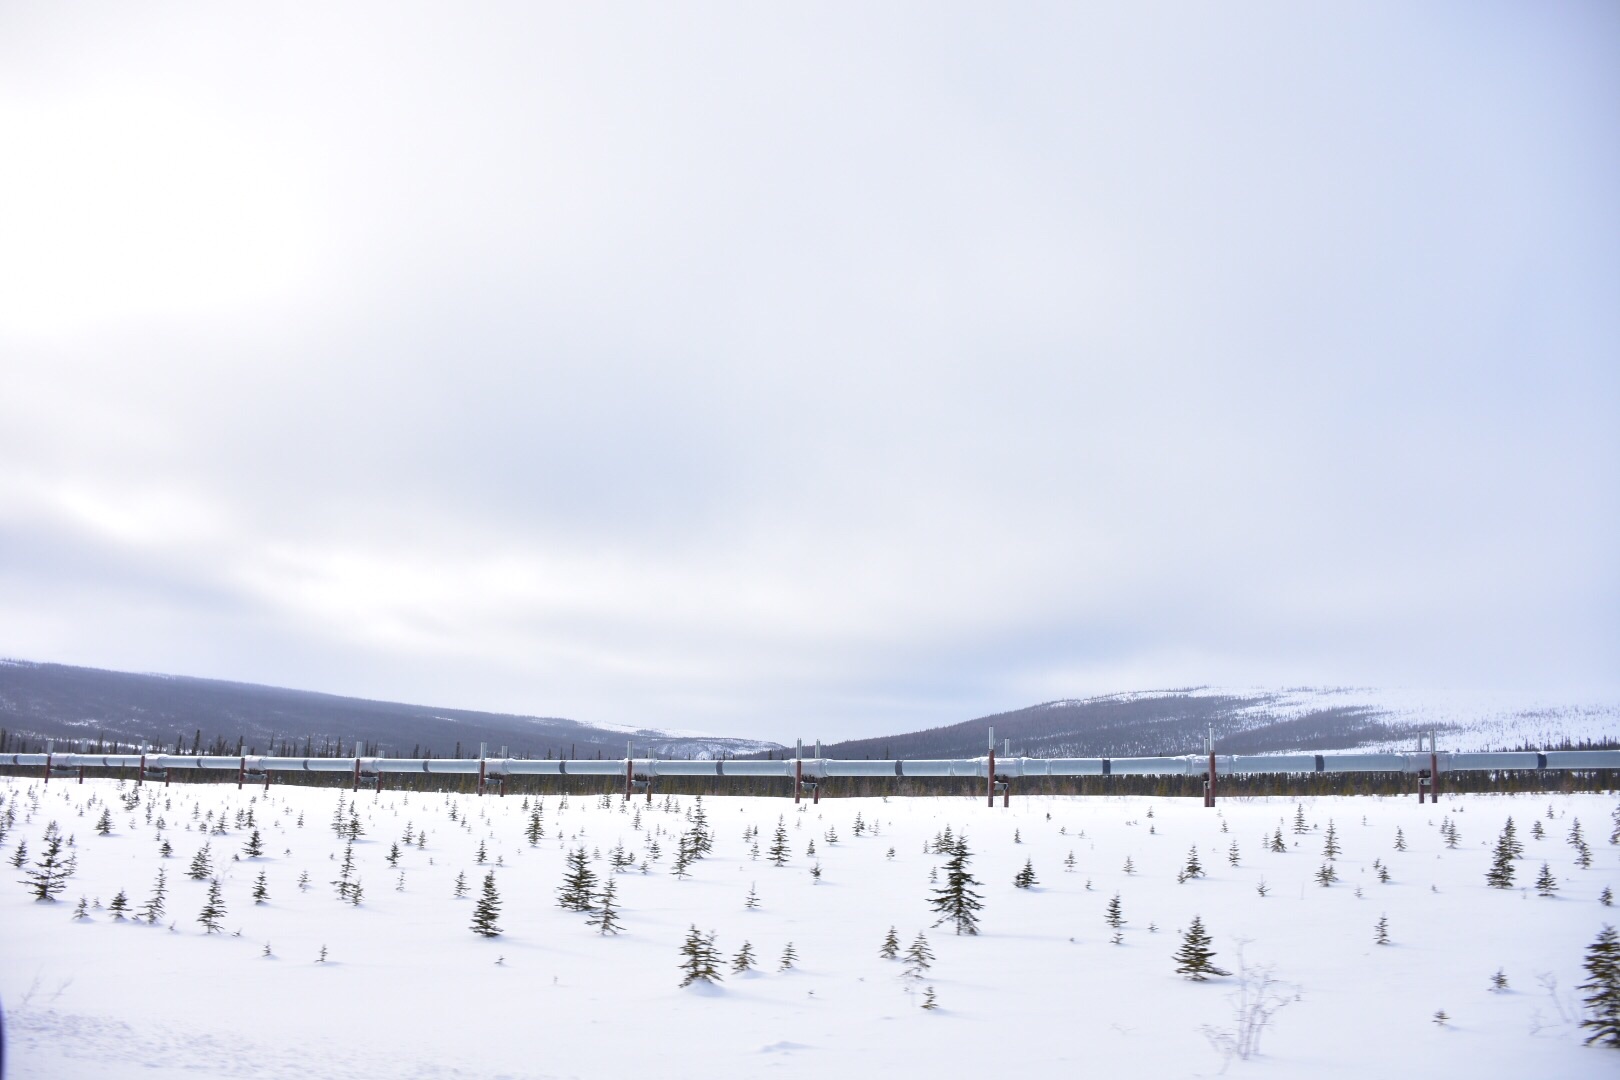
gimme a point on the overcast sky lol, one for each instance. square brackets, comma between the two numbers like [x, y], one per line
[814, 369]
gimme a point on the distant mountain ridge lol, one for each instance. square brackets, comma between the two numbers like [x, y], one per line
[1252, 721]
[42, 702]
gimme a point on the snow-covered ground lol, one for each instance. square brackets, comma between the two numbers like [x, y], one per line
[407, 990]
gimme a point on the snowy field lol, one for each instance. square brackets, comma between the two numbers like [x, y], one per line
[408, 990]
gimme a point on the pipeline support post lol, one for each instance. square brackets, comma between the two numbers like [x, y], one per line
[1209, 784]
[1434, 770]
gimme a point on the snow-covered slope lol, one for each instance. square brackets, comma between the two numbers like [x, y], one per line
[407, 990]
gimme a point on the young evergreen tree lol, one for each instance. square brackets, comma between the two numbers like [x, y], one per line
[1500, 875]
[891, 945]
[345, 882]
[1602, 965]
[487, 910]
[579, 882]
[1194, 956]
[1546, 883]
[744, 960]
[48, 877]
[702, 959]
[1114, 913]
[152, 910]
[604, 912]
[919, 958]
[1026, 877]
[779, 845]
[956, 902]
[213, 908]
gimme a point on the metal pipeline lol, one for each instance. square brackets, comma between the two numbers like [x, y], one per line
[823, 768]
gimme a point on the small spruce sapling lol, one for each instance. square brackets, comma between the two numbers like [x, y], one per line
[487, 911]
[1194, 957]
[213, 908]
[919, 958]
[1602, 966]
[745, 960]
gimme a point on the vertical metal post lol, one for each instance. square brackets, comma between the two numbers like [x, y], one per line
[1209, 785]
[990, 772]
[1434, 770]
[821, 778]
[1006, 791]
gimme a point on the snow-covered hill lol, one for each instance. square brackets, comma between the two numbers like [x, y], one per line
[407, 990]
